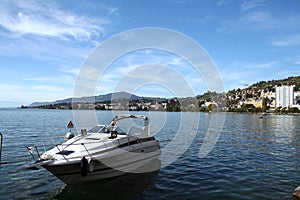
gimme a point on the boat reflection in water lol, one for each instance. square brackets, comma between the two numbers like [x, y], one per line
[128, 186]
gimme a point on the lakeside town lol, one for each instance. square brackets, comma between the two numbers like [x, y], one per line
[276, 96]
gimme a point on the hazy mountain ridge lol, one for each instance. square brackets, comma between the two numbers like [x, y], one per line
[261, 85]
[99, 98]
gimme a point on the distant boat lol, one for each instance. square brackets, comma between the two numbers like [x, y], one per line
[104, 151]
[262, 115]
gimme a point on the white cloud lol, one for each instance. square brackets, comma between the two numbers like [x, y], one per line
[151, 68]
[48, 88]
[60, 79]
[256, 17]
[254, 20]
[295, 60]
[202, 20]
[181, 1]
[264, 65]
[286, 41]
[262, 20]
[220, 2]
[46, 19]
[250, 4]
[10, 104]
[254, 65]
[44, 31]
[238, 73]
[45, 49]
[288, 73]
[158, 75]
[49, 34]
[69, 70]
[28, 94]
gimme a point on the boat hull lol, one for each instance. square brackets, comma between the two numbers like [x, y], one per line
[122, 162]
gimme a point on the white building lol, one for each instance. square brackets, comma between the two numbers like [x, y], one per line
[297, 99]
[284, 96]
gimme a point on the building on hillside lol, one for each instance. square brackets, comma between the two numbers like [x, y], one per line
[208, 103]
[296, 97]
[268, 94]
[284, 96]
[257, 103]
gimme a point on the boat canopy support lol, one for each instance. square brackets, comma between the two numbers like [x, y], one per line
[126, 116]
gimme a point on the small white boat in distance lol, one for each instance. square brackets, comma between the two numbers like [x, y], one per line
[102, 152]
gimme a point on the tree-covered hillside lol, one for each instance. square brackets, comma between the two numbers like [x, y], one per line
[270, 85]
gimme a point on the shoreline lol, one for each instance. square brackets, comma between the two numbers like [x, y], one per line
[210, 112]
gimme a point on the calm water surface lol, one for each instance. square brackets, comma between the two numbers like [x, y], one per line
[253, 159]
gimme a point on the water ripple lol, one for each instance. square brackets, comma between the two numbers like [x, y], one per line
[253, 159]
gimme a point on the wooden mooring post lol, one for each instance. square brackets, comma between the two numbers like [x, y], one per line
[1, 137]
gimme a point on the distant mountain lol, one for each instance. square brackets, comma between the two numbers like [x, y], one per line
[262, 85]
[99, 98]
[35, 104]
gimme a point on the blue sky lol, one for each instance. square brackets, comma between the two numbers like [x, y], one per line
[43, 44]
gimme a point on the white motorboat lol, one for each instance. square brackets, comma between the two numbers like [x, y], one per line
[102, 152]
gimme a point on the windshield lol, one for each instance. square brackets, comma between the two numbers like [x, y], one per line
[97, 129]
[119, 130]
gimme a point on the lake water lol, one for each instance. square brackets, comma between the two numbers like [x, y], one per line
[253, 158]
